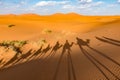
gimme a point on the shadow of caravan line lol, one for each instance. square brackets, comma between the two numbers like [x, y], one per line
[24, 56]
[44, 51]
[71, 66]
[36, 53]
[66, 47]
[102, 65]
[103, 54]
[11, 60]
[81, 43]
[92, 61]
[118, 41]
[55, 48]
[106, 41]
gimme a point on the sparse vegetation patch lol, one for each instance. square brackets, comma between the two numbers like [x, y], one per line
[15, 45]
[11, 25]
[47, 31]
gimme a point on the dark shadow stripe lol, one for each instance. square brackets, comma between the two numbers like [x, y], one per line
[102, 65]
[103, 54]
[94, 63]
[111, 39]
[106, 41]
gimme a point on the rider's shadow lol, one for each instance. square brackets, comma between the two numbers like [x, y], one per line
[66, 51]
[81, 42]
[55, 48]
[44, 51]
[67, 47]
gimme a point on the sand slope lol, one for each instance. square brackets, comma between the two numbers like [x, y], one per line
[97, 60]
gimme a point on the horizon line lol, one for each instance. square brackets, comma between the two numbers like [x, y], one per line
[17, 14]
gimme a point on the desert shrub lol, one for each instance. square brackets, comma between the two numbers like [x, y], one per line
[19, 43]
[41, 41]
[48, 31]
[11, 25]
[15, 45]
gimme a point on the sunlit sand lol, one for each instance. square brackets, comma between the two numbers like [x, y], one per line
[59, 47]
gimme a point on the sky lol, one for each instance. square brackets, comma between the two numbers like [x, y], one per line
[48, 7]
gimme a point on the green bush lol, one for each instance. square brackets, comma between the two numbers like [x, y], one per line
[48, 31]
[41, 41]
[11, 25]
[14, 43]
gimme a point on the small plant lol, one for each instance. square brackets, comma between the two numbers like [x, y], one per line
[15, 45]
[48, 31]
[11, 25]
[42, 41]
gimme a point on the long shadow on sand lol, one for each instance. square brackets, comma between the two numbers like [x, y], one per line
[27, 56]
[103, 54]
[108, 40]
[81, 43]
[11, 60]
[66, 48]
[16, 60]
[24, 56]
[1, 61]
[37, 53]
[55, 48]
[114, 40]
[44, 51]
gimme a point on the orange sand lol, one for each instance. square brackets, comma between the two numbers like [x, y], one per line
[63, 27]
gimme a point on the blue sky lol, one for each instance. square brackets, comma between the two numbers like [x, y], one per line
[47, 7]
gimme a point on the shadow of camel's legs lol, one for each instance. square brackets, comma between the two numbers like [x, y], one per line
[106, 41]
[69, 71]
[48, 56]
[71, 64]
[111, 39]
[10, 61]
[102, 65]
[92, 61]
[102, 54]
[58, 66]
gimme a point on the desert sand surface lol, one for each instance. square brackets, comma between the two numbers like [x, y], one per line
[60, 47]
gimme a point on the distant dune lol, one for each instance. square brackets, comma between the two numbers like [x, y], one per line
[32, 24]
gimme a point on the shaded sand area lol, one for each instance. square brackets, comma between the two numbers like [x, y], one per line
[59, 47]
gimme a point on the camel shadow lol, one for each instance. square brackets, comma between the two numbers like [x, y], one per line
[108, 40]
[17, 49]
[66, 48]
[81, 43]
[44, 51]
[55, 48]
[15, 60]
[85, 43]
[10, 61]
[24, 56]
[37, 53]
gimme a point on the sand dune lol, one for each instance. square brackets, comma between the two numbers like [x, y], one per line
[61, 47]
